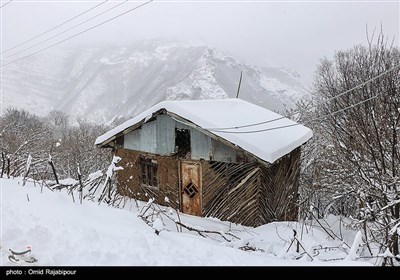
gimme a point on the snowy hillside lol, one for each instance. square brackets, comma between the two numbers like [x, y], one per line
[61, 232]
[104, 82]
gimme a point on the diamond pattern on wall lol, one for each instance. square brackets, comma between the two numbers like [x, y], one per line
[191, 190]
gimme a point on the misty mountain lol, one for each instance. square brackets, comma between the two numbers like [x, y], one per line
[101, 83]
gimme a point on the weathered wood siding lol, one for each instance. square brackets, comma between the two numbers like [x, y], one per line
[235, 187]
[132, 140]
[285, 174]
[142, 139]
[200, 145]
[129, 179]
[158, 137]
[165, 135]
[251, 194]
[221, 152]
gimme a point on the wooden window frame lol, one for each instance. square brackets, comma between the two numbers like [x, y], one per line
[148, 173]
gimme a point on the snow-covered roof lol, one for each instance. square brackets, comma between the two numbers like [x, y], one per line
[274, 138]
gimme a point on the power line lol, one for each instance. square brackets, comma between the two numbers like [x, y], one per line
[256, 131]
[295, 124]
[65, 31]
[61, 24]
[276, 119]
[354, 88]
[312, 107]
[246, 125]
[6, 4]
[75, 35]
[346, 108]
[235, 132]
[190, 124]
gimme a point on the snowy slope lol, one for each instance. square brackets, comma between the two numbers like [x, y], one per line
[65, 233]
[103, 82]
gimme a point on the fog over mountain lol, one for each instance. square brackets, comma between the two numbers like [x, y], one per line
[104, 82]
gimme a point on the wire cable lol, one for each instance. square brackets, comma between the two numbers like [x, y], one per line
[51, 29]
[246, 125]
[354, 88]
[65, 31]
[75, 35]
[210, 129]
[314, 106]
[6, 4]
[295, 124]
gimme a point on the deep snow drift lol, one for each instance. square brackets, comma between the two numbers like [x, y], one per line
[62, 232]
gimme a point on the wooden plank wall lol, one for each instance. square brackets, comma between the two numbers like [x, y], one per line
[230, 191]
[251, 194]
[129, 179]
[286, 182]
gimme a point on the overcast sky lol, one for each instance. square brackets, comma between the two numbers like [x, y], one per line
[294, 34]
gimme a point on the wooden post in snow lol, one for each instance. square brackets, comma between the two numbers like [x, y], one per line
[54, 169]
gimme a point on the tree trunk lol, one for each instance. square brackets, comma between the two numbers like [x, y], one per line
[8, 167]
[54, 171]
[395, 238]
[3, 160]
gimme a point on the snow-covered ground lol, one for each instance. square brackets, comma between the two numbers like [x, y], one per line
[65, 233]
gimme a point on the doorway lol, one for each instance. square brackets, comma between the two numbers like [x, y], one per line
[190, 188]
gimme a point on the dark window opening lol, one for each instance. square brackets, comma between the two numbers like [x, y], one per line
[119, 142]
[149, 172]
[182, 141]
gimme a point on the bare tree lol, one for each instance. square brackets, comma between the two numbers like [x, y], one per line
[60, 123]
[77, 148]
[355, 158]
[22, 134]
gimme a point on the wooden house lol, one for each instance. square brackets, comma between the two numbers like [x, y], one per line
[227, 159]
